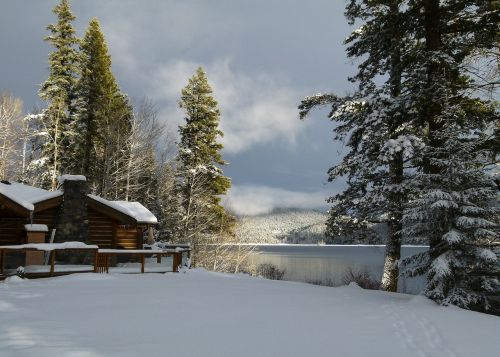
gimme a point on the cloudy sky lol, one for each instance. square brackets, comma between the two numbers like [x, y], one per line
[261, 57]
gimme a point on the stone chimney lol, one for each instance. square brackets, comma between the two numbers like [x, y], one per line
[72, 223]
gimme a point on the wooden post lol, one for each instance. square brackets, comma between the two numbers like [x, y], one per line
[107, 263]
[95, 260]
[52, 261]
[142, 263]
[176, 261]
[158, 258]
[2, 260]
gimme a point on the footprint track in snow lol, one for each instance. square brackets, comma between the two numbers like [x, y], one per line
[416, 333]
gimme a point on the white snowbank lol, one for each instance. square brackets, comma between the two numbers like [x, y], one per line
[132, 209]
[58, 268]
[14, 280]
[198, 313]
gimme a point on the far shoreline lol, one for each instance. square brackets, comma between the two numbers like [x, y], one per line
[324, 245]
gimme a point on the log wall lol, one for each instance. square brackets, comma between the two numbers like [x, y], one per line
[47, 217]
[11, 226]
[101, 229]
[127, 238]
[11, 230]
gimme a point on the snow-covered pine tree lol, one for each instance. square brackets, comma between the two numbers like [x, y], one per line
[386, 125]
[59, 90]
[34, 137]
[458, 205]
[103, 118]
[200, 180]
[375, 124]
[446, 35]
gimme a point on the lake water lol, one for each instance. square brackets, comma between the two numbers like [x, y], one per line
[328, 263]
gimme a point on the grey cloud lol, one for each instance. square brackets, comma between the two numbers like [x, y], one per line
[254, 200]
[255, 109]
[262, 57]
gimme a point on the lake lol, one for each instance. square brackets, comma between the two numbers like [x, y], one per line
[328, 263]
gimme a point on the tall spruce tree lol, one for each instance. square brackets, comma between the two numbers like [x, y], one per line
[375, 123]
[200, 180]
[452, 208]
[456, 206]
[59, 92]
[425, 116]
[103, 118]
[382, 21]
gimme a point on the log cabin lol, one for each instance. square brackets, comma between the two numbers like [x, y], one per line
[71, 214]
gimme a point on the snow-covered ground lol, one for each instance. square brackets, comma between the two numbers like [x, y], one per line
[208, 314]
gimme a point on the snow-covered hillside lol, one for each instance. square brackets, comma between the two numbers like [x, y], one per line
[295, 225]
[216, 315]
[283, 226]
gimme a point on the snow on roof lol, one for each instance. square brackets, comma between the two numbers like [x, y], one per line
[26, 196]
[36, 228]
[132, 209]
[139, 212]
[48, 195]
[63, 178]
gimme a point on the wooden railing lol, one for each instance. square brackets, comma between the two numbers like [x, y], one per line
[101, 263]
[52, 249]
[105, 254]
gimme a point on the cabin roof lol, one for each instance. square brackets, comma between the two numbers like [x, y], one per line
[132, 209]
[26, 196]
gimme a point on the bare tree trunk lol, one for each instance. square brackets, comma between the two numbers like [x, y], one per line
[25, 144]
[10, 131]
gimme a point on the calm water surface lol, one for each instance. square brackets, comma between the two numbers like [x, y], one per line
[325, 263]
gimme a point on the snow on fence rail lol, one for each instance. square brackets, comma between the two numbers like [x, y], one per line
[49, 246]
